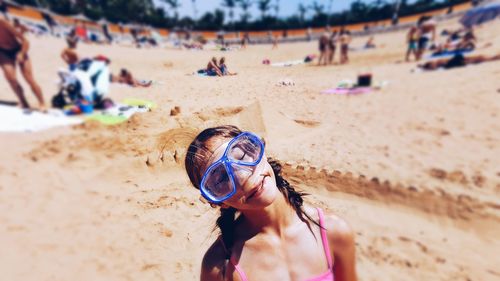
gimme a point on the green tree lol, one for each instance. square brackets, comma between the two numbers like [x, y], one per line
[245, 6]
[264, 6]
[302, 10]
[175, 5]
[230, 5]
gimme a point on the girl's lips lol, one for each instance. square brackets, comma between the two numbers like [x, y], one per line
[258, 189]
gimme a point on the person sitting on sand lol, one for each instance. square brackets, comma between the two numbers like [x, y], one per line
[14, 52]
[212, 68]
[458, 60]
[267, 232]
[412, 40]
[345, 40]
[126, 77]
[370, 43]
[69, 54]
[223, 67]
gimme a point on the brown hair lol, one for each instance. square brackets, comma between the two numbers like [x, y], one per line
[196, 157]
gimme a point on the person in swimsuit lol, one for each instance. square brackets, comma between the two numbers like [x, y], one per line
[267, 232]
[412, 40]
[345, 40]
[223, 67]
[332, 44]
[212, 68]
[69, 54]
[14, 52]
[323, 49]
[126, 77]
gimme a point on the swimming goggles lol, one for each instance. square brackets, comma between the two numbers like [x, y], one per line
[242, 154]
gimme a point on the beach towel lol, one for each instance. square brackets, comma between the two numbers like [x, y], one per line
[14, 119]
[288, 63]
[447, 54]
[121, 112]
[348, 91]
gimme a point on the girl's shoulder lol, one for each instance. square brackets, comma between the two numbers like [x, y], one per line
[214, 262]
[339, 232]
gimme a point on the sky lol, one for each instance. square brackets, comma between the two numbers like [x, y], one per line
[287, 7]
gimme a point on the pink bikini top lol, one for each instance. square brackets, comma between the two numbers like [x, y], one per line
[327, 276]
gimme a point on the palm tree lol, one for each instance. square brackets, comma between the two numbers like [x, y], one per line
[195, 10]
[302, 9]
[175, 5]
[264, 6]
[230, 5]
[317, 8]
[277, 8]
[395, 15]
[245, 5]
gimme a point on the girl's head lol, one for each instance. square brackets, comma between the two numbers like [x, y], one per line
[230, 167]
[256, 186]
[222, 60]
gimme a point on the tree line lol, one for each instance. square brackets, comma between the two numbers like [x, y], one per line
[235, 14]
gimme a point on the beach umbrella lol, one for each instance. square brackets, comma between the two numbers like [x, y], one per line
[481, 14]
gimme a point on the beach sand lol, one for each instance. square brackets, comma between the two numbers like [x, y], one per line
[414, 167]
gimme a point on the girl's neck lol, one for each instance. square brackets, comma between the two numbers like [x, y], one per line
[271, 219]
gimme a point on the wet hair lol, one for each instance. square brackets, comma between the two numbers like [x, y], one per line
[198, 154]
[222, 60]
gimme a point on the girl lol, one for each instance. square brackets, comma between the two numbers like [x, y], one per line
[266, 231]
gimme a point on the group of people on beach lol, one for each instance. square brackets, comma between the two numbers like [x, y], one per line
[217, 68]
[328, 42]
[423, 36]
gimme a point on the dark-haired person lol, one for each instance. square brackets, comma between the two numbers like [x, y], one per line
[223, 67]
[14, 52]
[69, 54]
[267, 233]
[457, 60]
[427, 33]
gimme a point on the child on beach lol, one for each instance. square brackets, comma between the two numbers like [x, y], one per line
[14, 52]
[323, 49]
[126, 77]
[267, 232]
[332, 44]
[412, 40]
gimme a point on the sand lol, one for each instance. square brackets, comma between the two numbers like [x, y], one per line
[414, 167]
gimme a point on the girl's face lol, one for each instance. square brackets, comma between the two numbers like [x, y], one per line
[255, 186]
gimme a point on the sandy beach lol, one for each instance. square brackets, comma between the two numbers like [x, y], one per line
[414, 167]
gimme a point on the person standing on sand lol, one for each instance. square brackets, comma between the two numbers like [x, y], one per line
[345, 40]
[323, 49]
[427, 32]
[412, 40]
[267, 232]
[14, 51]
[332, 44]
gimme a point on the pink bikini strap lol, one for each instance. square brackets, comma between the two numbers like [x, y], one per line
[324, 237]
[238, 269]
